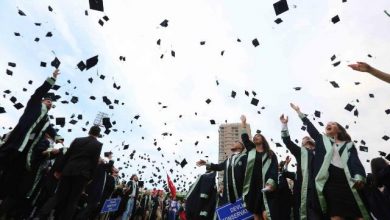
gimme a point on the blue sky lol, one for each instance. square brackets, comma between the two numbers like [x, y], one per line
[294, 53]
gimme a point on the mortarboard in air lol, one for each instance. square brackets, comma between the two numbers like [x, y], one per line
[60, 121]
[246, 93]
[349, 107]
[202, 42]
[255, 42]
[334, 84]
[212, 122]
[371, 95]
[18, 105]
[36, 39]
[96, 5]
[337, 63]
[317, 114]
[335, 19]
[208, 101]
[91, 62]
[50, 8]
[13, 99]
[385, 137]
[9, 72]
[297, 88]
[255, 101]
[21, 13]
[42, 64]
[383, 154]
[164, 23]
[81, 65]
[278, 21]
[105, 17]
[233, 95]
[363, 148]
[56, 63]
[387, 111]
[92, 97]
[280, 7]
[356, 113]
[55, 87]
[2, 110]
[173, 53]
[333, 58]
[183, 163]
[222, 52]
[11, 64]
[74, 99]
[49, 34]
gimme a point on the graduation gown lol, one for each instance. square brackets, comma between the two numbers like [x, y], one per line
[269, 175]
[304, 184]
[233, 177]
[201, 199]
[284, 196]
[353, 167]
[32, 124]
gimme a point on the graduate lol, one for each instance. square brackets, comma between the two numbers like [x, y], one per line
[340, 175]
[284, 196]
[378, 195]
[305, 203]
[201, 198]
[261, 173]
[233, 177]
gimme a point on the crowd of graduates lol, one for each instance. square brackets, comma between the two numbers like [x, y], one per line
[38, 181]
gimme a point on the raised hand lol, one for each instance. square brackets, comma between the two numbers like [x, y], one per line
[295, 107]
[243, 119]
[360, 66]
[283, 119]
[56, 73]
[201, 163]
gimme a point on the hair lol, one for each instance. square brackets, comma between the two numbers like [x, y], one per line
[377, 164]
[241, 144]
[132, 176]
[266, 146]
[94, 131]
[342, 135]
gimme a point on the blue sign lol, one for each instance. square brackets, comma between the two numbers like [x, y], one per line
[111, 205]
[234, 211]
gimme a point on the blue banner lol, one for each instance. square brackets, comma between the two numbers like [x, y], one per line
[233, 211]
[111, 205]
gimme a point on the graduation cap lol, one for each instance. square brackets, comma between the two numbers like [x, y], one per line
[126, 147]
[91, 62]
[255, 42]
[183, 163]
[387, 111]
[13, 99]
[56, 63]
[337, 63]
[246, 93]
[202, 42]
[36, 39]
[105, 17]
[383, 154]
[17, 34]
[74, 99]
[356, 113]
[297, 88]
[2, 110]
[333, 57]
[173, 53]
[222, 52]
[81, 65]
[317, 114]
[334, 84]
[60, 121]
[101, 22]
[212, 122]
[96, 5]
[18, 105]
[50, 8]
[254, 101]
[42, 64]
[208, 101]
[385, 137]
[49, 34]
[335, 19]
[21, 13]
[280, 7]
[9, 72]
[11, 64]
[349, 107]
[363, 148]
[278, 21]
[233, 95]
[55, 87]
[164, 23]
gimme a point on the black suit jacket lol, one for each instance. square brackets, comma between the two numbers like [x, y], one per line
[82, 158]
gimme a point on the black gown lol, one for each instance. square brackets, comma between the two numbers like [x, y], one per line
[254, 199]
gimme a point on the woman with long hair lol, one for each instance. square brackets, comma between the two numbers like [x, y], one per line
[261, 175]
[339, 174]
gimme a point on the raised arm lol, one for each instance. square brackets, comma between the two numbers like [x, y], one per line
[311, 129]
[212, 166]
[364, 67]
[41, 91]
[249, 145]
[291, 146]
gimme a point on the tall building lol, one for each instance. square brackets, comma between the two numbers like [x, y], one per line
[228, 135]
